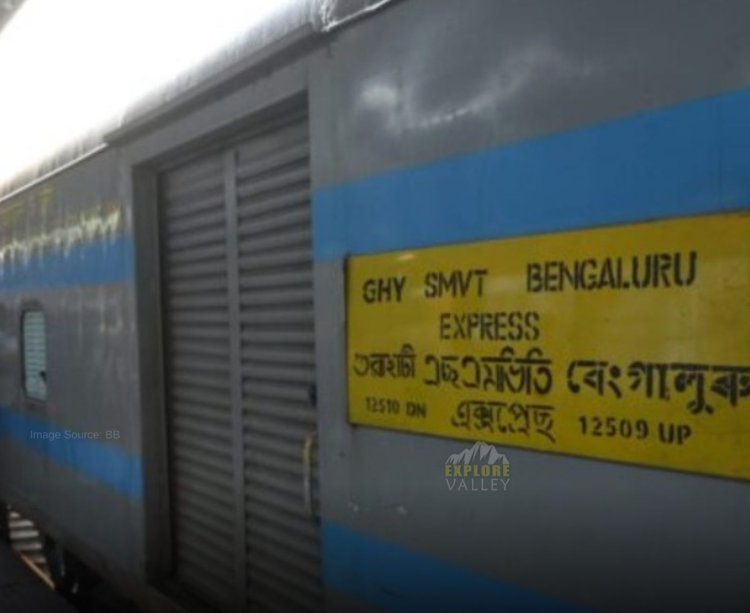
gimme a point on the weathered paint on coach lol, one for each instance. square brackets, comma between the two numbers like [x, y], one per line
[509, 119]
[429, 125]
[66, 247]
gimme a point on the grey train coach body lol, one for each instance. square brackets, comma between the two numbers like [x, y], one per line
[172, 311]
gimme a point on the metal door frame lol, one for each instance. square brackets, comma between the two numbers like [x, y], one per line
[148, 160]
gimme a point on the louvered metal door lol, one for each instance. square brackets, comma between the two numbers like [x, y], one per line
[278, 368]
[195, 281]
[240, 372]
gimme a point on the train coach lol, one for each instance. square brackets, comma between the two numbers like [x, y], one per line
[208, 397]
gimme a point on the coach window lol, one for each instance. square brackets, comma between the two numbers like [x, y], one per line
[34, 350]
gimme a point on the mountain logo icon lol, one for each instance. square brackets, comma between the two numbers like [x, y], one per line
[479, 453]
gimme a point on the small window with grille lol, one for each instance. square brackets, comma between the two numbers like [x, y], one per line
[34, 349]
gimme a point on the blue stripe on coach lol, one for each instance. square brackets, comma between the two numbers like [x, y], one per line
[100, 462]
[397, 579]
[689, 159]
[98, 262]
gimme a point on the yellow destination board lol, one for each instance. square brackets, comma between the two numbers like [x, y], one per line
[629, 343]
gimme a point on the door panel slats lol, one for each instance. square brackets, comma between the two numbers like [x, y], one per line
[245, 280]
